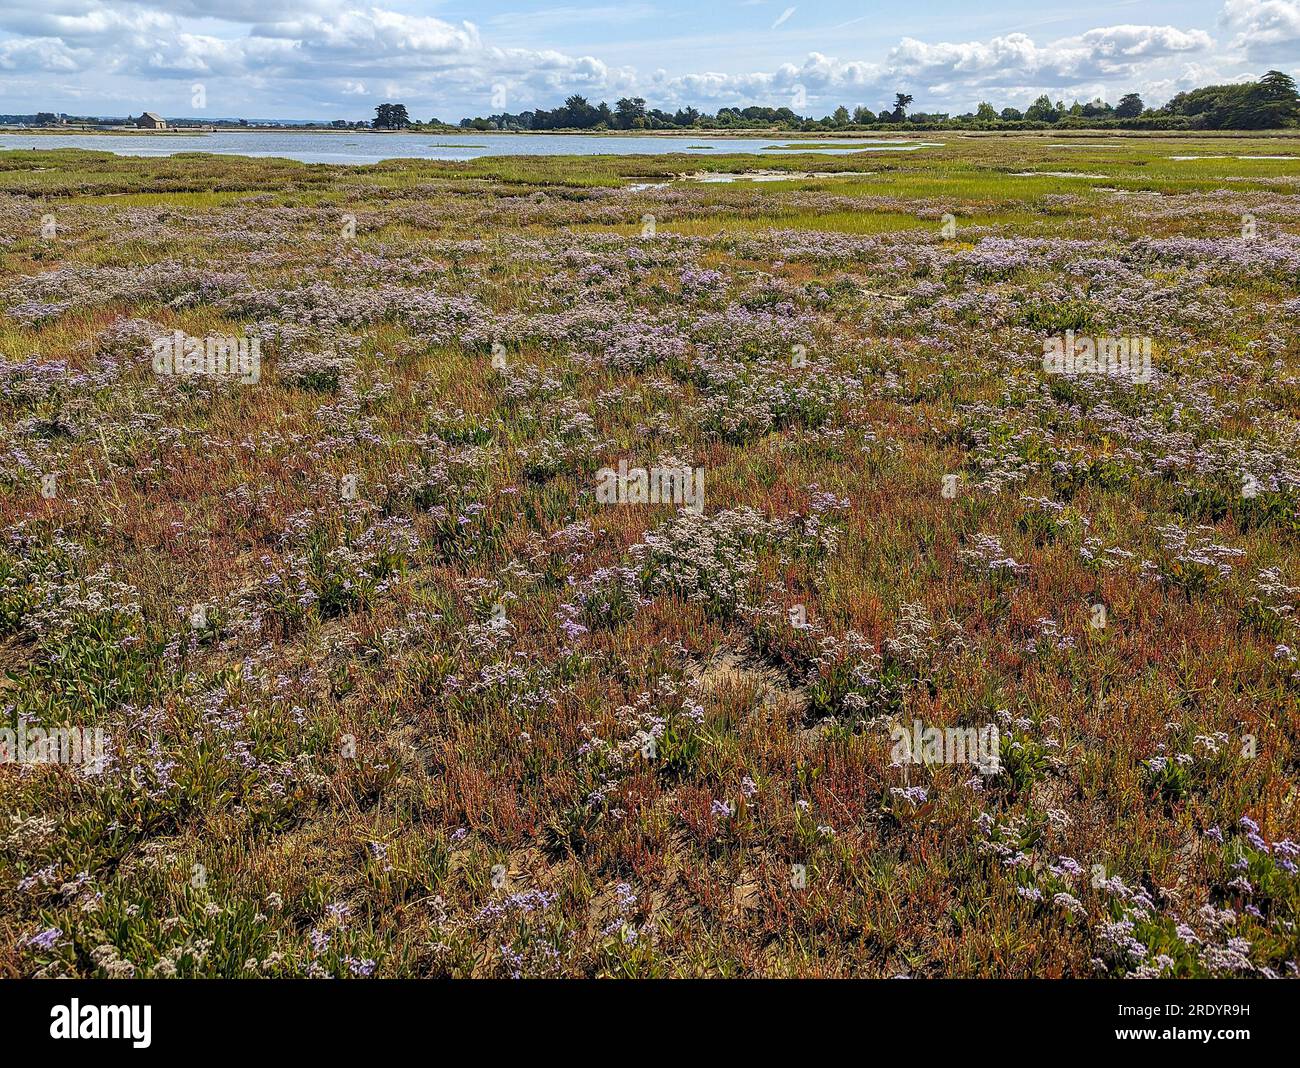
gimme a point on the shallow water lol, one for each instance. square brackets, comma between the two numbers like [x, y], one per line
[723, 177]
[322, 147]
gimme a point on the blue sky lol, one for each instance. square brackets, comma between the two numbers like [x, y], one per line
[338, 58]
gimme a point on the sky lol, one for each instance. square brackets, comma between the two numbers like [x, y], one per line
[327, 59]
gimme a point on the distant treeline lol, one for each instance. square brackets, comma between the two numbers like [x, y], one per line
[1270, 103]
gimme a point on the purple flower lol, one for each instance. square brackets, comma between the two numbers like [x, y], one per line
[572, 628]
[46, 939]
[916, 794]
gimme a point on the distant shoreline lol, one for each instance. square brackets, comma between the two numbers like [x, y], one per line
[764, 133]
[695, 134]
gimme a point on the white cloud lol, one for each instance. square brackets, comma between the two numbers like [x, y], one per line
[260, 57]
[955, 74]
[1109, 51]
[1264, 29]
[784, 16]
[41, 54]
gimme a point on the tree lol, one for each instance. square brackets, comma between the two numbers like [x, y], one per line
[1212, 107]
[1272, 102]
[577, 112]
[1129, 107]
[1041, 110]
[626, 111]
[391, 117]
[1279, 85]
